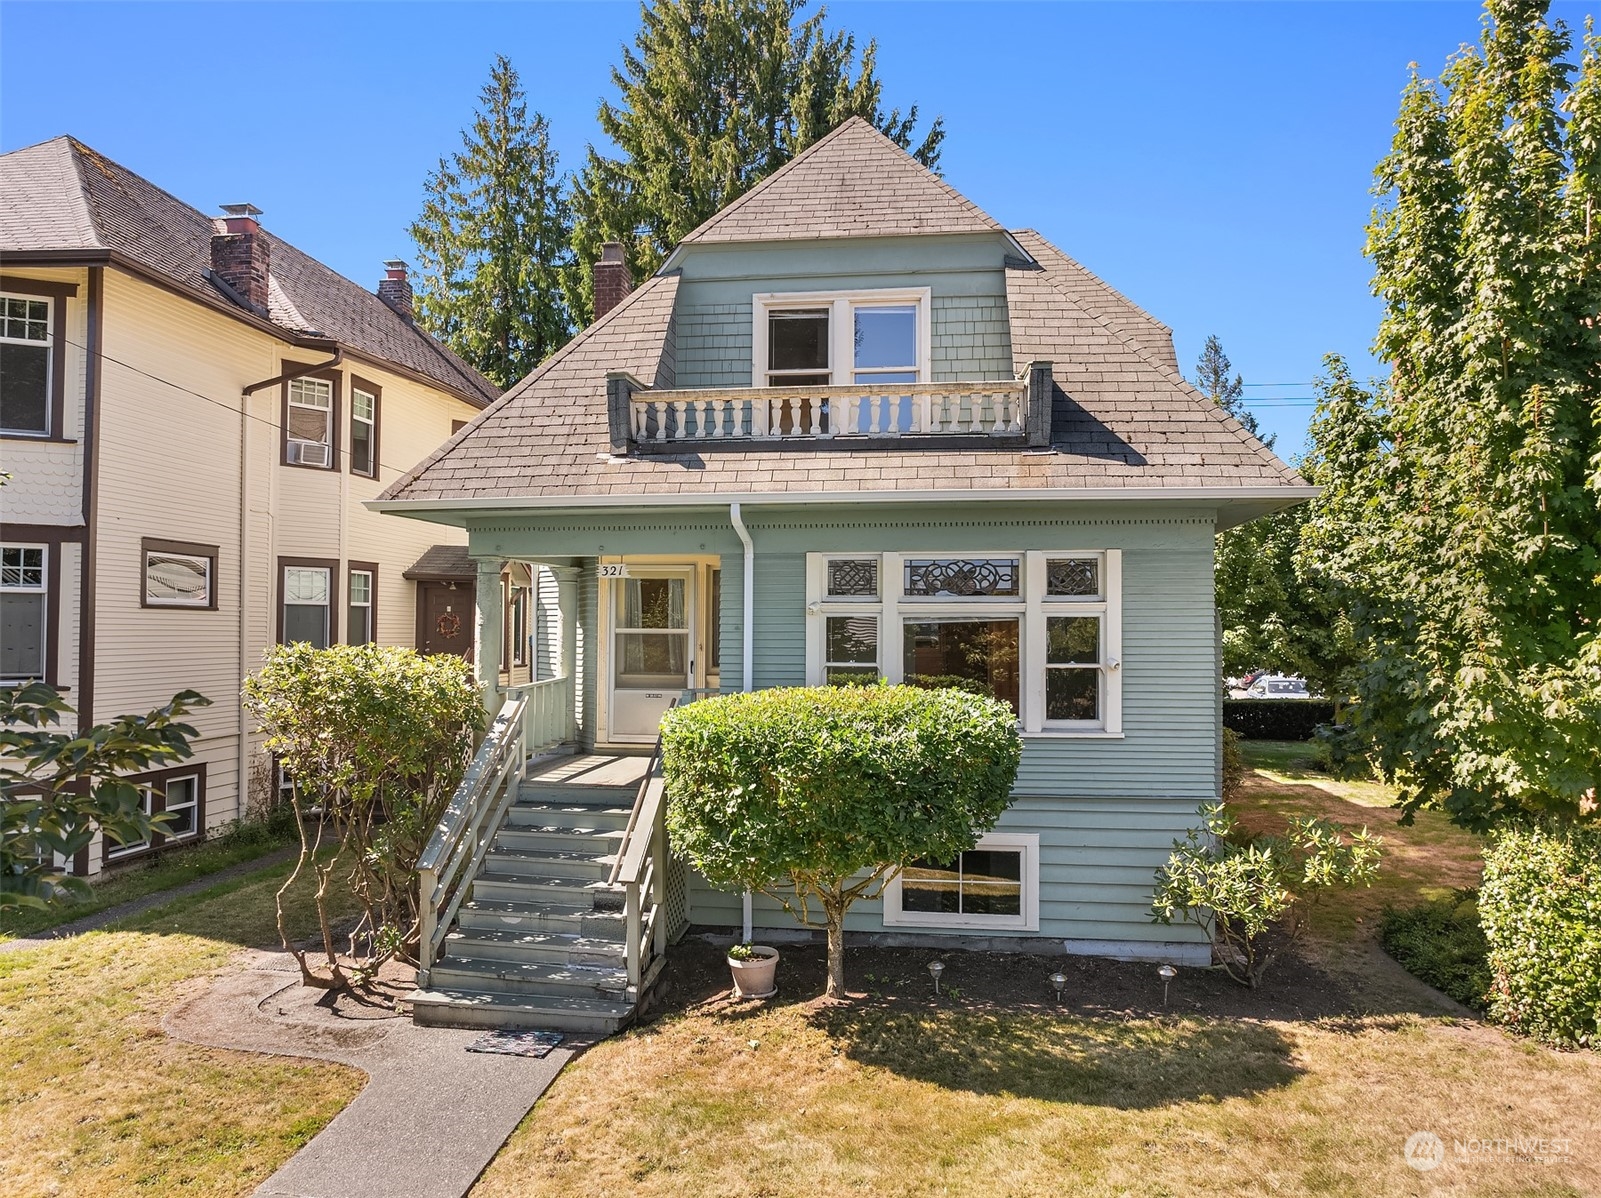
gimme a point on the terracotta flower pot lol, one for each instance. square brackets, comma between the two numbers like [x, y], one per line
[754, 978]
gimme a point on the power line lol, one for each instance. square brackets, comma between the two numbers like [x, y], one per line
[226, 407]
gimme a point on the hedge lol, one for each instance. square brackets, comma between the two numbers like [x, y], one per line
[1540, 906]
[1276, 719]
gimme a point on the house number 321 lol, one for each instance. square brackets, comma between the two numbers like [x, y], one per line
[612, 570]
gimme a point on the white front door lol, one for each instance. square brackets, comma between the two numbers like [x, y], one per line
[652, 649]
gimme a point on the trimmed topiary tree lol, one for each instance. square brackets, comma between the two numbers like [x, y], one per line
[1540, 906]
[816, 796]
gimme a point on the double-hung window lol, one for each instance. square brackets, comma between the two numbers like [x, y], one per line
[24, 612]
[309, 417]
[1038, 630]
[27, 336]
[360, 627]
[306, 612]
[363, 428]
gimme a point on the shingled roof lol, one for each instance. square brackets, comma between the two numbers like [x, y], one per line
[853, 183]
[63, 198]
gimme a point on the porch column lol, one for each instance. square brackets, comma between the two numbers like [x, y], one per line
[487, 648]
[567, 613]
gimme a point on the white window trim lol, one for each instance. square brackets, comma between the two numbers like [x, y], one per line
[841, 328]
[147, 791]
[1028, 843]
[1031, 608]
[294, 454]
[49, 346]
[155, 601]
[44, 617]
[372, 430]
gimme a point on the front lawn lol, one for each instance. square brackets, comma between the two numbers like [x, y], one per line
[1313, 1091]
[96, 1100]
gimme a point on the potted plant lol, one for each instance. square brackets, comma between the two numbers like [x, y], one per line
[753, 967]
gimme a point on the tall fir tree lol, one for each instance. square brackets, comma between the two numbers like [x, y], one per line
[494, 239]
[1212, 371]
[1461, 516]
[714, 96]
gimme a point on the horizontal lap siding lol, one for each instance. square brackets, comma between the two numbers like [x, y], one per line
[1097, 866]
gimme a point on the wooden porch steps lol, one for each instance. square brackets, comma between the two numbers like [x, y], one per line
[542, 941]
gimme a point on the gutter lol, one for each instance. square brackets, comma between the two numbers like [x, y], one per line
[243, 777]
[1288, 493]
[747, 647]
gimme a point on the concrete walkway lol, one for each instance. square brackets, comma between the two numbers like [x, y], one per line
[138, 906]
[432, 1115]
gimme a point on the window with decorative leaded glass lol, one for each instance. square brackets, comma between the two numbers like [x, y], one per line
[853, 578]
[1073, 577]
[962, 577]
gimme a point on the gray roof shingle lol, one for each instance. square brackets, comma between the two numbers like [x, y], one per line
[61, 196]
[855, 182]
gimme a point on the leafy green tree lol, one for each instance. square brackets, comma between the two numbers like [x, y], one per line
[375, 739]
[1212, 370]
[493, 239]
[714, 96]
[817, 796]
[57, 787]
[1461, 521]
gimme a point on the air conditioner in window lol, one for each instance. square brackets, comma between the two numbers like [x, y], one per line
[309, 453]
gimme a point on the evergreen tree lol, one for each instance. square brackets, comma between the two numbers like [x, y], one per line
[1461, 518]
[1212, 371]
[714, 96]
[493, 239]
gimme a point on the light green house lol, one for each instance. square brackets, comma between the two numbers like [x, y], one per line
[853, 426]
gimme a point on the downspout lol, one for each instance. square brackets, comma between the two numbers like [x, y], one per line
[747, 642]
[243, 771]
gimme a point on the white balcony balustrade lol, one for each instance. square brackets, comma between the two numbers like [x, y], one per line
[878, 411]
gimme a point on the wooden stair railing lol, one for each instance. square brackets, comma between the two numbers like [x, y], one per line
[451, 860]
[641, 870]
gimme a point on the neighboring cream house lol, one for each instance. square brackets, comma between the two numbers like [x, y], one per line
[192, 413]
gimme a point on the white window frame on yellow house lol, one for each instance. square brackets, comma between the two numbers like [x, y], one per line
[1032, 606]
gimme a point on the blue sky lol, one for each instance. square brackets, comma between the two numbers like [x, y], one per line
[1212, 161]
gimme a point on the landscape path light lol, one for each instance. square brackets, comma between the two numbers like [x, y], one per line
[1167, 973]
[935, 968]
[1059, 980]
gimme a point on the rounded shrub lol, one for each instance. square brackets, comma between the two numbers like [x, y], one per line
[816, 795]
[1540, 906]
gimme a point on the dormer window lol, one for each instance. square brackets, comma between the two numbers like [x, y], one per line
[840, 338]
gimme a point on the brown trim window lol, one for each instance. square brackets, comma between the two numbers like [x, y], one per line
[365, 400]
[179, 792]
[178, 574]
[311, 420]
[26, 611]
[361, 618]
[33, 357]
[308, 597]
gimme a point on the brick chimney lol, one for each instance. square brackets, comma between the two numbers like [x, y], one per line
[240, 256]
[612, 280]
[394, 290]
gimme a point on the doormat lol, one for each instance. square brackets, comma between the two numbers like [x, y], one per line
[515, 1043]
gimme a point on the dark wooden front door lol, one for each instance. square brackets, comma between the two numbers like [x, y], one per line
[445, 619]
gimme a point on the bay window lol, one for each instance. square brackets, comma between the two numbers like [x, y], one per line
[1039, 630]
